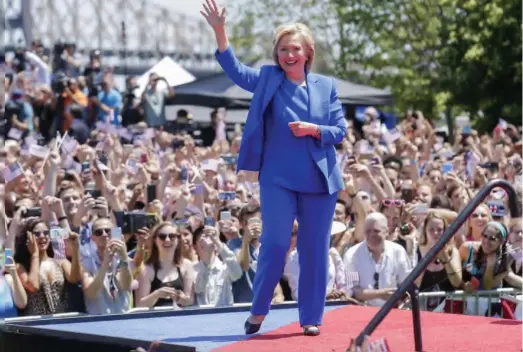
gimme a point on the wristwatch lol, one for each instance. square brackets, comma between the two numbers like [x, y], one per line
[123, 264]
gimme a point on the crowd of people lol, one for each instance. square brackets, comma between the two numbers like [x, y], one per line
[103, 210]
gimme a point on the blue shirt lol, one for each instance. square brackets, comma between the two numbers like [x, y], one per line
[242, 288]
[112, 99]
[287, 161]
[7, 305]
[25, 112]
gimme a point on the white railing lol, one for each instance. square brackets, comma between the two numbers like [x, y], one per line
[479, 303]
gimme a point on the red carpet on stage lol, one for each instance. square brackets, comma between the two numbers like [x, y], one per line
[441, 333]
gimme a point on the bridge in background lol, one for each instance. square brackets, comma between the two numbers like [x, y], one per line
[151, 31]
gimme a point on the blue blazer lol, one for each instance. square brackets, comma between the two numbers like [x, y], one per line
[325, 110]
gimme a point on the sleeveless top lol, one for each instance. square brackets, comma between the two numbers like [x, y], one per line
[51, 298]
[471, 270]
[7, 305]
[434, 281]
[157, 284]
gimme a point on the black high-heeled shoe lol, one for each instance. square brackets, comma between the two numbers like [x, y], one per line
[251, 328]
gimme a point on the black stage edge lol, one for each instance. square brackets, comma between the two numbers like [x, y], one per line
[31, 335]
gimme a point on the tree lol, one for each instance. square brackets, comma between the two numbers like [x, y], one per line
[480, 64]
[436, 55]
[391, 44]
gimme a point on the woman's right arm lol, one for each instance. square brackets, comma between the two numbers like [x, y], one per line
[242, 75]
[17, 288]
[144, 296]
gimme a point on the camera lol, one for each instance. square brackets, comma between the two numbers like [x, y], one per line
[59, 83]
[405, 229]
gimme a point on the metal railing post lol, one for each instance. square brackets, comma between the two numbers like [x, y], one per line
[416, 317]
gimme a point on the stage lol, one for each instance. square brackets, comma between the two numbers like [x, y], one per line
[221, 329]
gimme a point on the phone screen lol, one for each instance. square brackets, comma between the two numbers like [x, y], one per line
[8, 256]
[102, 157]
[33, 212]
[184, 175]
[254, 220]
[116, 233]
[225, 215]
[227, 195]
[151, 193]
[56, 233]
[407, 195]
[447, 167]
[420, 209]
[95, 193]
[209, 221]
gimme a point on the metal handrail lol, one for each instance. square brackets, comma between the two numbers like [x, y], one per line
[408, 283]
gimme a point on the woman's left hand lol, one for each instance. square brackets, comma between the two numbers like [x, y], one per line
[303, 129]
[445, 254]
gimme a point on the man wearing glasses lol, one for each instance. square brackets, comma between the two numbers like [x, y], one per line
[107, 275]
[381, 265]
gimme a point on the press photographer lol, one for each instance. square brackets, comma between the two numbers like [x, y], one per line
[132, 112]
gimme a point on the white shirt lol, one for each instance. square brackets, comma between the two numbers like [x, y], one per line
[111, 299]
[336, 279]
[213, 285]
[393, 268]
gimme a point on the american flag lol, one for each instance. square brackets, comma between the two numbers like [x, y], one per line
[58, 247]
[353, 279]
[13, 171]
[68, 144]
[379, 345]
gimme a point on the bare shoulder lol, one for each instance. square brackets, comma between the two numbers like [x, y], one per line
[186, 265]
[147, 272]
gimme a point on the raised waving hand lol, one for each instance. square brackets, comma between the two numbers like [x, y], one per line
[213, 15]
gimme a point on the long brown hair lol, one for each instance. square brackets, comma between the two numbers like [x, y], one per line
[430, 216]
[154, 257]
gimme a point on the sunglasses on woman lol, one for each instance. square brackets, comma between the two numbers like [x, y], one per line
[100, 232]
[392, 202]
[490, 238]
[41, 233]
[163, 236]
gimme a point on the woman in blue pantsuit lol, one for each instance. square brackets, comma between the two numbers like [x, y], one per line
[294, 121]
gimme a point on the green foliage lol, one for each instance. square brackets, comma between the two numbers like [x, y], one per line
[481, 63]
[434, 54]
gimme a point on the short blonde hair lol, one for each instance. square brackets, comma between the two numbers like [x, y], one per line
[291, 29]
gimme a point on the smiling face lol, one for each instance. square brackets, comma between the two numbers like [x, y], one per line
[434, 229]
[71, 199]
[292, 53]
[490, 239]
[293, 49]
[167, 239]
[41, 235]
[479, 218]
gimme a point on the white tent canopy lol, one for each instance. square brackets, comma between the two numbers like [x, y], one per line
[170, 70]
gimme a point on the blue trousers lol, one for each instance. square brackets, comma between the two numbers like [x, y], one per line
[314, 213]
